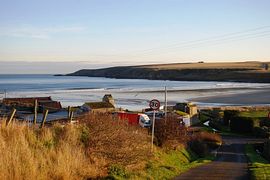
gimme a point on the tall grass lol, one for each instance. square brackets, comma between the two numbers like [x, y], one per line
[28, 153]
[70, 152]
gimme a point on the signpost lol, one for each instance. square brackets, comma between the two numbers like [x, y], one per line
[154, 104]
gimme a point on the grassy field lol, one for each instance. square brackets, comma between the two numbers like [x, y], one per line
[254, 114]
[258, 166]
[225, 65]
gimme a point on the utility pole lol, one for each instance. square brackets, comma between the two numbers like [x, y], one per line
[165, 109]
[153, 130]
[154, 105]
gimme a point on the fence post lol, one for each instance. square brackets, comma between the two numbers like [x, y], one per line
[71, 116]
[69, 112]
[44, 118]
[35, 112]
[11, 116]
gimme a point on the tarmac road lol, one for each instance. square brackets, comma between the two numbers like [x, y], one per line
[231, 162]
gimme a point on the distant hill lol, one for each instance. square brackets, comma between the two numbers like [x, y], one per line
[236, 72]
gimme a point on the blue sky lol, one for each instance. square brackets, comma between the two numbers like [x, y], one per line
[100, 33]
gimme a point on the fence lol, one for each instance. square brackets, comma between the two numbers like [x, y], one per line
[10, 115]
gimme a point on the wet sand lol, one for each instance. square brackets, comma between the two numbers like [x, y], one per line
[260, 97]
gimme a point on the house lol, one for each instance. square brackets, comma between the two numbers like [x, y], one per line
[106, 105]
[189, 108]
[28, 104]
[109, 99]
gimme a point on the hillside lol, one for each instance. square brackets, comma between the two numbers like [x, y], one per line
[237, 72]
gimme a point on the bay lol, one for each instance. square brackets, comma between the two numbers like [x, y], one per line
[132, 94]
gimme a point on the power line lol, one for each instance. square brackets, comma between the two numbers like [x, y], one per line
[204, 43]
[176, 44]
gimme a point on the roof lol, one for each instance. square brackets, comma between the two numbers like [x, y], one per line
[50, 104]
[26, 100]
[108, 95]
[99, 105]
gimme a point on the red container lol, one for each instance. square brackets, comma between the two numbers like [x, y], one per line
[131, 117]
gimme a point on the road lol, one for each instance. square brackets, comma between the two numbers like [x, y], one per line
[231, 162]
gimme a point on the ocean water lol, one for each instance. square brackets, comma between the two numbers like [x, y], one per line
[133, 94]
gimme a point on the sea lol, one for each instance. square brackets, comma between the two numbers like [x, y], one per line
[131, 94]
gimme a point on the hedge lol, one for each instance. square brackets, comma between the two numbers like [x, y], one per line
[266, 150]
[243, 124]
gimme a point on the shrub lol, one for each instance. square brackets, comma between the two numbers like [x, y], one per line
[199, 147]
[261, 132]
[170, 132]
[266, 150]
[202, 142]
[116, 170]
[229, 115]
[243, 124]
[114, 140]
[265, 122]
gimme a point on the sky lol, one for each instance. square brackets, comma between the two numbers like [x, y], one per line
[61, 36]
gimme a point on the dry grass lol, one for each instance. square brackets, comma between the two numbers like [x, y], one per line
[71, 152]
[28, 153]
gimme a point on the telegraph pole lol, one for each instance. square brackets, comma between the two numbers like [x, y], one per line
[165, 109]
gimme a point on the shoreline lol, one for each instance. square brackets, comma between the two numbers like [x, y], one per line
[259, 97]
[201, 90]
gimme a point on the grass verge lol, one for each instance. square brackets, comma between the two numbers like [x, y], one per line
[258, 166]
[166, 165]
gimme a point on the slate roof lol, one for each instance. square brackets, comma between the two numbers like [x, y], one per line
[99, 105]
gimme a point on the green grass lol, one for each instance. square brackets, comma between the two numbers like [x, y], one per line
[181, 113]
[203, 118]
[258, 166]
[254, 114]
[167, 165]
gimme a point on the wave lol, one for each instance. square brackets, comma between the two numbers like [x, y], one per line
[70, 90]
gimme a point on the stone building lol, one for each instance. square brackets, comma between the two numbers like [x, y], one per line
[106, 105]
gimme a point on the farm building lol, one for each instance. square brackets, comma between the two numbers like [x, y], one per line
[106, 105]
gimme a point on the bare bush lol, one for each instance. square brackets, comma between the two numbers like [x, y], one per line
[114, 140]
[170, 132]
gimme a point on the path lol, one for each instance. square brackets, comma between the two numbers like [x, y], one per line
[231, 162]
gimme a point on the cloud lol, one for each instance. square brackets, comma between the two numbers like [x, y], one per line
[38, 32]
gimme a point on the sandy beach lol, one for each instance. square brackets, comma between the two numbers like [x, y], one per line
[260, 97]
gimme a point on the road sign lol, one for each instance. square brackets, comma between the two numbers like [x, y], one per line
[154, 104]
